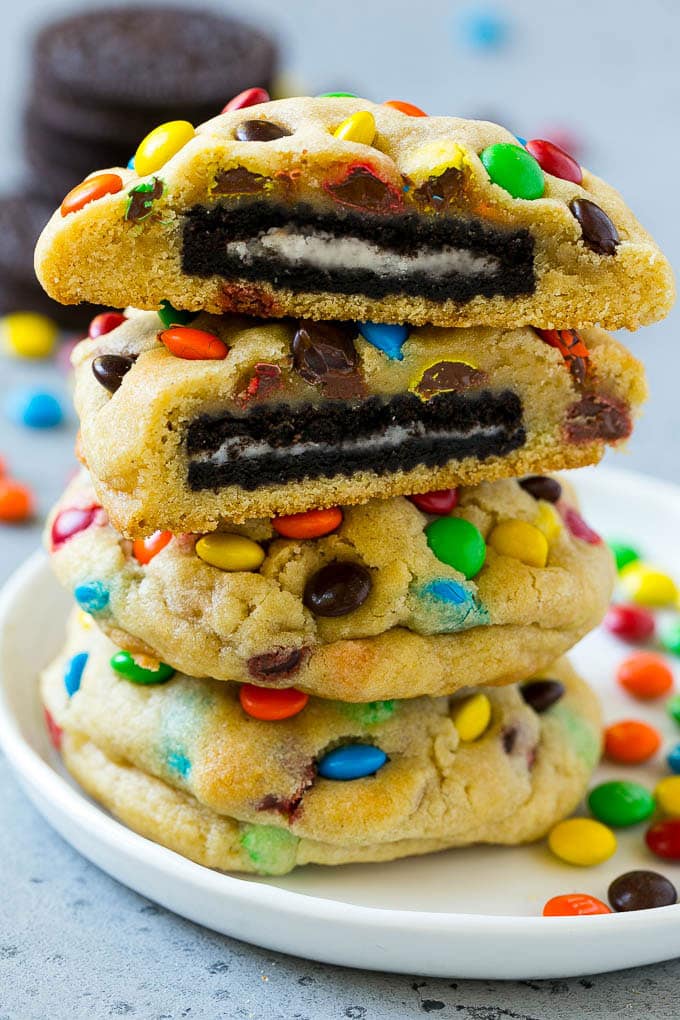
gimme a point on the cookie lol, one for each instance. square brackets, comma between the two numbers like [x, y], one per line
[335, 208]
[390, 601]
[183, 759]
[306, 414]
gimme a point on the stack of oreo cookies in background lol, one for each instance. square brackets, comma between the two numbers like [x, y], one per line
[98, 82]
[325, 584]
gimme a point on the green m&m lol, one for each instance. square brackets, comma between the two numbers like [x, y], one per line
[623, 554]
[457, 543]
[514, 169]
[620, 803]
[125, 666]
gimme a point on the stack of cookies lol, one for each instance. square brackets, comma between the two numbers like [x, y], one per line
[325, 584]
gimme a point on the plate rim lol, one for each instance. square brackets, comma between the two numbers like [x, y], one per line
[38, 777]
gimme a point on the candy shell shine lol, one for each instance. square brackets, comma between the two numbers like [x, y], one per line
[582, 841]
[351, 761]
[230, 552]
[162, 144]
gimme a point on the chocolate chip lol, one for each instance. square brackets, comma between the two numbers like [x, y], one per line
[448, 376]
[282, 662]
[363, 190]
[542, 487]
[599, 233]
[542, 694]
[597, 417]
[324, 349]
[439, 191]
[141, 199]
[259, 131]
[509, 738]
[238, 181]
[109, 370]
[640, 890]
[337, 589]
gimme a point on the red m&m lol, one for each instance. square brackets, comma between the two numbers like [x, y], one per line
[663, 839]
[554, 160]
[104, 323]
[441, 501]
[70, 521]
[630, 623]
[249, 97]
[270, 704]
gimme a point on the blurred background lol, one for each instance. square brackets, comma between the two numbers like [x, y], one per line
[600, 79]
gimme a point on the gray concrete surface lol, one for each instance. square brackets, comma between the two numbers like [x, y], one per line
[74, 943]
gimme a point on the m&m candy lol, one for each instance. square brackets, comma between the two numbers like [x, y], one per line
[386, 337]
[669, 635]
[667, 793]
[358, 127]
[458, 543]
[144, 549]
[36, 409]
[249, 97]
[648, 586]
[352, 761]
[89, 191]
[623, 554]
[311, 524]
[440, 501]
[71, 521]
[514, 169]
[92, 596]
[582, 841]
[663, 839]
[230, 552]
[620, 803]
[193, 344]
[631, 741]
[408, 108]
[554, 160]
[271, 704]
[28, 334]
[673, 759]
[645, 675]
[73, 673]
[16, 501]
[337, 589]
[630, 623]
[520, 541]
[124, 664]
[574, 905]
[162, 144]
[542, 694]
[641, 890]
[471, 716]
[104, 323]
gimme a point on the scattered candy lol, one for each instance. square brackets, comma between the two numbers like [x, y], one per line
[542, 694]
[663, 839]
[574, 905]
[338, 95]
[441, 501]
[471, 716]
[16, 501]
[554, 160]
[520, 541]
[631, 741]
[230, 552]
[110, 369]
[73, 674]
[620, 803]
[667, 793]
[89, 191]
[648, 586]
[482, 29]
[623, 554]
[645, 675]
[578, 527]
[36, 409]
[598, 232]
[55, 732]
[641, 890]
[162, 144]
[249, 97]
[582, 841]
[312, 524]
[70, 522]
[269, 704]
[352, 761]
[630, 623]
[124, 664]
[514, 169]
[408, 108]
[669, 635]
[673, 708]
[457, 543]
[171, 316]
[259, 131]
[358, 127]
[386, 337]
[337, 589]
[104, 323]
[542, 487]
[144, 549]
[28, 334]
[193, 344]
[92, 596]
[673, 759]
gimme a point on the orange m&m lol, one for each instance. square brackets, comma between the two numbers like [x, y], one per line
[574, 905]
[408, 108]
[16, 501]
[631, 741]
[270, 704]
[89, 191]
[193, 344]
[144, 549]
[312, 524]
[645, 675]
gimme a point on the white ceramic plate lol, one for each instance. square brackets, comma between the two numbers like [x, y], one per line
[463, 913]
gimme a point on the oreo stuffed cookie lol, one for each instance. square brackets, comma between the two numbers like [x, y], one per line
[340, 208]
[395, 598]
[277, 417]
[233, 783]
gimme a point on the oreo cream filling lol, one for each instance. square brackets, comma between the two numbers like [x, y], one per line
[278, 444]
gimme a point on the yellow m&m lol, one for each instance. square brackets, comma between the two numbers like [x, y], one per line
[359, 127]
[582, 841]
[472, 716]
[521, 541]
[29, 335]
[667, 793]
[161, 144]
[230, 552]
[648, 586]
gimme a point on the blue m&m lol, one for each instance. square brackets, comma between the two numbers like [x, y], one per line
[673, 759]
[73, 673]
[92, 596]
[386, 337]
[352, 761]
[36, 409]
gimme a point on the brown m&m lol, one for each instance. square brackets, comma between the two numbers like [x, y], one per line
[337, 589]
